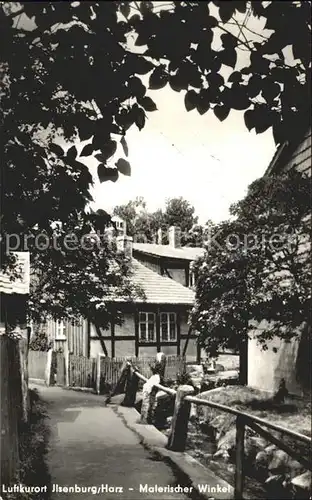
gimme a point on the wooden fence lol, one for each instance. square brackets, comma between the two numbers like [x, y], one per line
[11, 407]
[82, 371]
[102, 374]
[109, 369]
[179, 426]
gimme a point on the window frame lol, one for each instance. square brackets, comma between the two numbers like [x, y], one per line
[168, 323]
[147, 322]
[60, 327]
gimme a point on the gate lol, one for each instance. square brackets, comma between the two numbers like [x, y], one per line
[60, 377]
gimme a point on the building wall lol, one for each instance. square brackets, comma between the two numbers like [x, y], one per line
[118, 347]
[302, 155]
[124, 347]
[66, 335]
[191, 353]
[266, 368]
[177, 275]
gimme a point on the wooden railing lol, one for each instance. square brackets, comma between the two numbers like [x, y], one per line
[184, 398]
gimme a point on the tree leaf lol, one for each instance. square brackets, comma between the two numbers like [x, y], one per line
[147, 103]
[146, 7]
[254, 85]
[235, 77]
[158, 79]
[56, 149]
[178, 82]
[125, 9]
[142, 66]
[86, 130]
[270, 89]
[190, 100]
[203, 102]
[229, 40]
[211, 22]
[238, 97]
[249, 119]
[263, 119]
[107, 174]
[123, 166]
[136, 87]
[141, 40]
[87, 150]
[124, 144]
[215, 80]
[226, 11]
[229, 57]
[72, 153]
[240, 5]
[108, 149]
[139, 118]
[221, 112]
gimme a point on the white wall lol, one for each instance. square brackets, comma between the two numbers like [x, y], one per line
[267, 368]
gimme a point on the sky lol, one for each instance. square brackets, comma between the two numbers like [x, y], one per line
[180, 153]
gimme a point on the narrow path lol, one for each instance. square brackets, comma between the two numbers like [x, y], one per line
[91, 446]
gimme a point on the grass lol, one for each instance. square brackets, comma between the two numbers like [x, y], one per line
[34, 437]
[294, 414]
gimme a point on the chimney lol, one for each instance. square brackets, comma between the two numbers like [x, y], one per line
[174, 236]
[159, 236]
[125, 244]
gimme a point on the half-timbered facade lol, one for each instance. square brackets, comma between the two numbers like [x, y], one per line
[156, 322]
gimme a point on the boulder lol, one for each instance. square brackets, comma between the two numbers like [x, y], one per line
[226, 443]
[222, 453]
[295, 468]
[253, 445]
[279, 462]
[262, 460]
[303, 482]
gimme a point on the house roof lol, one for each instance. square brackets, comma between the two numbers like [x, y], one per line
[186, 253]
[160, 289]
[285, 150]
[157, 289]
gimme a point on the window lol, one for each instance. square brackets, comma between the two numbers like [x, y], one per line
[147, 327]
[60, 330]
[168, 327]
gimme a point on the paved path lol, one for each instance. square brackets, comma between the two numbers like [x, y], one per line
[91, 446]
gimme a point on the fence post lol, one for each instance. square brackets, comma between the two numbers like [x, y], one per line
[132, 384]
[182, 408]
[98, 374]
[66, 355]
[239, 469]
[48, 367]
